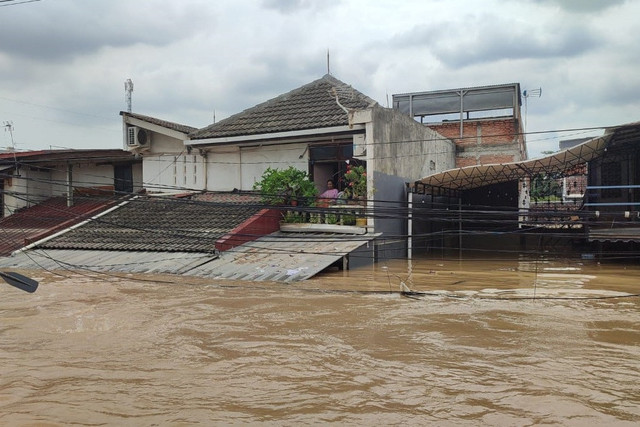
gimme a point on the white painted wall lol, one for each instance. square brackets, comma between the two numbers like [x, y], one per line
[255, 161]
[173, 172]
[234, 167]
[223, 168]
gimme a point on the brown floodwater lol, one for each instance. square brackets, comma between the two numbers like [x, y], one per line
[482, 342]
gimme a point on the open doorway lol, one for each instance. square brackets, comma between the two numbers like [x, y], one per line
[329, 162]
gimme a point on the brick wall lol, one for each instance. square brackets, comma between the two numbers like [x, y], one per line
[264, 222]
[484, 141]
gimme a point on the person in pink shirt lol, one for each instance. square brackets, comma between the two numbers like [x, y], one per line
[329, 195]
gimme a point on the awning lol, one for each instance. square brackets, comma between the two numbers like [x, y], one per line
[480, 175]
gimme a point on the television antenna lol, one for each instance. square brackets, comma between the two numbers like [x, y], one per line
[536, 93]
[8, 127]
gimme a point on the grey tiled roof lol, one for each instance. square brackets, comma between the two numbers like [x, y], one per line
[165, 124]
[159, 224]
[308, 107]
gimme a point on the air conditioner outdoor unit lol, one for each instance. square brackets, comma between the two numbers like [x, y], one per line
[137, 137]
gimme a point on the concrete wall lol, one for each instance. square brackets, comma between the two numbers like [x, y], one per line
[399, 150]
[404, 148]
[137, 177]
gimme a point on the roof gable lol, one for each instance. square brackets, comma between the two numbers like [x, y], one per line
[162, 123]
[307, 107]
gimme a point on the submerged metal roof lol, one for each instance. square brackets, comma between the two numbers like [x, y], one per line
[282, 257]
[277, 257]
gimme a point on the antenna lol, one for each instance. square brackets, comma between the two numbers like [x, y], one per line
[328, 63]
[536, 93]
[8, 127]
[128, 88]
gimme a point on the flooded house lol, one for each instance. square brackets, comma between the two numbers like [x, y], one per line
[322, 128]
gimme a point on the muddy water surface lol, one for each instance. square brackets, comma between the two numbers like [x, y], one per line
[482, 343]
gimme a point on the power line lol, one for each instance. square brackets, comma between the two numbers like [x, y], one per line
[16, 2]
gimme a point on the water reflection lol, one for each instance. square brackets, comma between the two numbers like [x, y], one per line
[339, 348]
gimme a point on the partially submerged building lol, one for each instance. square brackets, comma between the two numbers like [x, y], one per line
[28, 178]
[320, 128]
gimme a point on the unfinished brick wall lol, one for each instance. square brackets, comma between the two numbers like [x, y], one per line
[484, 141]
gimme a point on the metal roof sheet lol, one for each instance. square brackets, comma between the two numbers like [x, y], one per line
[282, 257]
[277, 257]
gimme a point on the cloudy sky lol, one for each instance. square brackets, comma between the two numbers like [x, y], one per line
[63, 63]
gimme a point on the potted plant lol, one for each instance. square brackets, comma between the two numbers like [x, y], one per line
[356, 182]
[290, 186]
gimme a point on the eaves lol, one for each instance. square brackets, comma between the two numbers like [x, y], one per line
[155, 128]
[278, 137]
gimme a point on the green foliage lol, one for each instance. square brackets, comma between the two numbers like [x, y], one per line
[332, 219]
[545, 187]
[356, 181]
[279, 187]
[348, 219]
[293, 217]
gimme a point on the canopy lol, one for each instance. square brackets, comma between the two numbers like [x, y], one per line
[480, 175]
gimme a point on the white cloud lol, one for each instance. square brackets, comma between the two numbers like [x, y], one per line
[64, 69]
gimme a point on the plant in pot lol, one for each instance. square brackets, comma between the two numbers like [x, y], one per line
[289, 186]
[356, 182]
[286, 187]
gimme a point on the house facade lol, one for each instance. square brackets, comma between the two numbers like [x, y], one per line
[321, 128]
[30, 177]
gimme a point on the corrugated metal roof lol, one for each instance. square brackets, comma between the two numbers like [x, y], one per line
[282, 257]
[107, 261]
[277, 257]
[39, 221]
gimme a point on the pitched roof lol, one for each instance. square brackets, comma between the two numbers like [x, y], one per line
[165, 124]
[308, 107]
